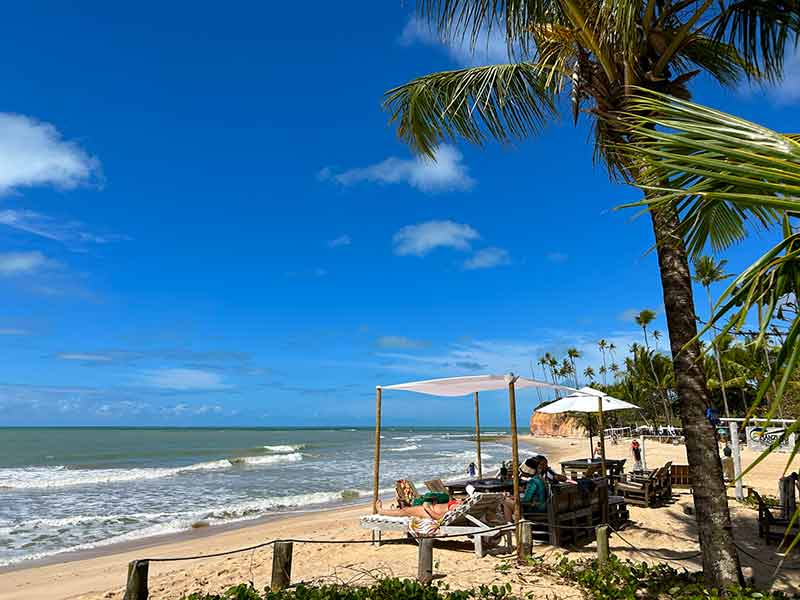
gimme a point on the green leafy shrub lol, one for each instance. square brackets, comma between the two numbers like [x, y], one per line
[385, 589]
[628, 580]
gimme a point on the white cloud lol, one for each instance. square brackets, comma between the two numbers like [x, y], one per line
[420, 239]
[487, 258]
[47, 227]
[342, 240]
[14, 331]
[184, 380]
[21, 263]
[399, 342]
[557, 257]
[34, 153]
[490, 49]
[84, 357]
[447, 172]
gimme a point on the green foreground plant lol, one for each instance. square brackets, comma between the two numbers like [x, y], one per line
[384, 589]
[628, 580]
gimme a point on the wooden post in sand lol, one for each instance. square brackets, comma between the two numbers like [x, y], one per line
[136, 587]
[425, 561]
[602, 544]
[478, 436]
[512, 407]
[786, 496]
[526, 538]
[281, 566]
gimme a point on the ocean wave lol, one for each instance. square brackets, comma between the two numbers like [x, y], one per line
[237, 512]
[266, 460]
[61, 476]
[284, 448]
[404, 448]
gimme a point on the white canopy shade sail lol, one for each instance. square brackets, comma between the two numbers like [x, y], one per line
[462, 386]
[585, 400]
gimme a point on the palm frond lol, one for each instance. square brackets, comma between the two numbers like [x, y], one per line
[719, 59]
[762, 30]
[498, 101]
[472, 20]
[724, 173]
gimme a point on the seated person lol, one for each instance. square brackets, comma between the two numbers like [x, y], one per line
[546, 473]
[535, 496]
[424, 511]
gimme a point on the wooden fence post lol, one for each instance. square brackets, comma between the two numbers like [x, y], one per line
[136, 587]
[526, 538]
[425, 564]
[602, 544]
[281, 566]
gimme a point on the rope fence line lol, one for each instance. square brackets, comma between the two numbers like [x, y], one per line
[282, 557]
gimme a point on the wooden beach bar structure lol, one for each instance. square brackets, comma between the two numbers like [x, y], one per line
[465, 386]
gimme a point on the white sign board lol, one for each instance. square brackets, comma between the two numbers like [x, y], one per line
[759, 438]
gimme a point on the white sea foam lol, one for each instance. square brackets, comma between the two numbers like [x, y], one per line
[403, 448]
[284, 449]
[60, 476]
[267, 460]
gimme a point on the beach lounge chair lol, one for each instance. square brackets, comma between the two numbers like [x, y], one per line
[771, 527]
[436, 485]
[647, 489]
[473, 517]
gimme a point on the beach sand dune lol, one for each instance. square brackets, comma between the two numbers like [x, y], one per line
[668, 531]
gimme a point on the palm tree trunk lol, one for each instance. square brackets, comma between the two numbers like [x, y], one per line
[717, 357]
[720, 561]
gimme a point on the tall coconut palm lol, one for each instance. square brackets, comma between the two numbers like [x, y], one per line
[643, 319]
[596, 52]
[588, 373]
[603, 345]
[573, 354]
[657, 337]
[708, 271]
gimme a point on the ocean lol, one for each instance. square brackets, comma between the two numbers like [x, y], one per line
[73, 489]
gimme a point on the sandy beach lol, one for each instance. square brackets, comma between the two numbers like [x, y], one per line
[666, 530]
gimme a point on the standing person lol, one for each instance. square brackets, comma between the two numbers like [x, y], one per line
[471, 469]
[636, 452]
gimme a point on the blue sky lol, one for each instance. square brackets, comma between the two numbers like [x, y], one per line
[206, 219]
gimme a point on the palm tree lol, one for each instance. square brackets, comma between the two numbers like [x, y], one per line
[657, 337]
[603, 345]
[588, 372]
[643, 319]
[611, 349]
[574, 353]
[708, 271]
[596, 52]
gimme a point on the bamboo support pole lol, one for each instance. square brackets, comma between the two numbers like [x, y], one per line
[478, 436]
[737, 459]
[512, 406]
[377, 465]
[602, 426]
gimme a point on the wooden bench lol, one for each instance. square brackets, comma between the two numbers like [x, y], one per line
[648, 489]
[771, 527]
[572, 514]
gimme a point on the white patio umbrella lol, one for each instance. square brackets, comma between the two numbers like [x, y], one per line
[589, 400]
